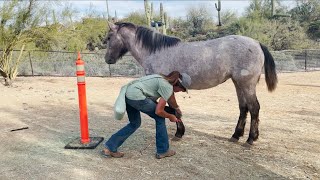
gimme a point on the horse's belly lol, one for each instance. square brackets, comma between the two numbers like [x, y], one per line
[205, 83]
[201, 79]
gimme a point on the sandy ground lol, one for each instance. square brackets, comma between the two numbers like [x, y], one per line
[288, 146]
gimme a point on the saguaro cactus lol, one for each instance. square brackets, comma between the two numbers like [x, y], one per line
[108, 15]
[164, 30]
[151, 12]
[147, 12]
[115, 19]
[273, 10]
[166, 20]
[218, 8]
[54, 17]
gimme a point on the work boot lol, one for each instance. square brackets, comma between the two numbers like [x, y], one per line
[167, 154]
[107, 153]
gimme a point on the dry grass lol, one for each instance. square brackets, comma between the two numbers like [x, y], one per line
[288, 147]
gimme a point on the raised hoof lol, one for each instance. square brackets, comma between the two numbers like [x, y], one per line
[232, 139]
[176, 138]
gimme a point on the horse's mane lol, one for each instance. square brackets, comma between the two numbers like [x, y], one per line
[154, 41]
[125, 24]
[151, 40]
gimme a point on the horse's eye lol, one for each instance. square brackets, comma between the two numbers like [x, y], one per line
[105, 41]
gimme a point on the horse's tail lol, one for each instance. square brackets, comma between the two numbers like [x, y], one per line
[269, 69]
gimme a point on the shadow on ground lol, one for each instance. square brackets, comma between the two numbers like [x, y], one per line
[39, 152]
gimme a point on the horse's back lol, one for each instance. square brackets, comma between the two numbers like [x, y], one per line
[211, 62]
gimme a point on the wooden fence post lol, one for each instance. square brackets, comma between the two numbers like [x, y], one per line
[31, 64]
[109, 70]
[305, 60]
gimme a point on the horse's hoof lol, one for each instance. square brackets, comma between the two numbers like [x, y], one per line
[247, 145]
[232, 139]
[176, 138]
[250, 141]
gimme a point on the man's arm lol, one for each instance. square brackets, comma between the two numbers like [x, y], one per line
[173, 103]
[161, 112]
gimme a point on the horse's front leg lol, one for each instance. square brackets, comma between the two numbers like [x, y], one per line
[180, 130]
[180, 126]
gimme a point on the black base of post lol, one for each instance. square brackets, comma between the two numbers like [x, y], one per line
[76, 144]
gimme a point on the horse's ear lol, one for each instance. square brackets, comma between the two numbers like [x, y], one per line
[112, 26]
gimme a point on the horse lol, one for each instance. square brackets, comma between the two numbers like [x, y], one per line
[208, 63]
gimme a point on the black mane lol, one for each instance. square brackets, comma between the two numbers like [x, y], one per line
[154, 41]
[125, 24]
[151, 40]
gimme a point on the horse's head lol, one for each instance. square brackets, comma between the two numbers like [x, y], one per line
[115, 45]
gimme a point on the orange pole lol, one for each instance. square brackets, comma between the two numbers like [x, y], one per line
[82, 100]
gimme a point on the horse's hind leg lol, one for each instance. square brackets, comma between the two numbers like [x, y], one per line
[239, 130]
[254, 107]
[246, 91]
[249, 93]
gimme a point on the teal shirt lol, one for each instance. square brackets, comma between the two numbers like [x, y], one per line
[152, 86]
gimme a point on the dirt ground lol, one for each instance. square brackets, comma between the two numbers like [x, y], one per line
[288, 146]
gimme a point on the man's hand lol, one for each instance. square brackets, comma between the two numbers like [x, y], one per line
[173, 118]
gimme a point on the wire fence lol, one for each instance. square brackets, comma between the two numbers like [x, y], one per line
[61, 63]
[57, 63]
[297, 60]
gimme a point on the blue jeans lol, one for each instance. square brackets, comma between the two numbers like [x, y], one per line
[133, 108]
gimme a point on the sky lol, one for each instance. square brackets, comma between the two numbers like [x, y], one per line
[172, 7]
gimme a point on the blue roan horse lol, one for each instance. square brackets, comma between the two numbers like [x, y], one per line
[209, 63]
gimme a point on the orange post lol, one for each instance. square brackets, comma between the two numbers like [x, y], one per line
[84, 142]
[82, 100]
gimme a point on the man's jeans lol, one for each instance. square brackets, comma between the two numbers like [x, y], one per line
[133, 108]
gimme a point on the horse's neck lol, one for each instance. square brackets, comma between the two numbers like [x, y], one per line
[139, 53]
[136, 49]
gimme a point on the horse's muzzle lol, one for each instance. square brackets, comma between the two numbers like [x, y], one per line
[109, 60]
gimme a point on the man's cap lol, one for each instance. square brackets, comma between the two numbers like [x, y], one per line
[185, 81]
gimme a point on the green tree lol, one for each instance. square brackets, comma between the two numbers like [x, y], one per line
[136, 17]
[278, 34]
[92, 31]
[199, 19]
[179, 28]
[286, 34]
[68, 13]
[46, 38]
[259, 9]
[307, 13]
[228, 17]
[314, 30]
[17, 19]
